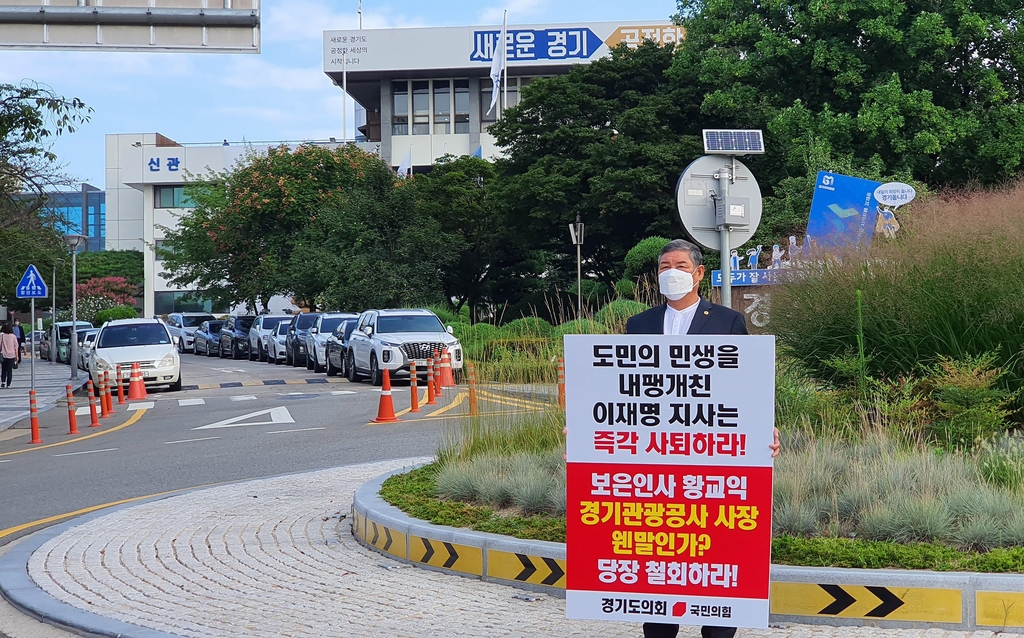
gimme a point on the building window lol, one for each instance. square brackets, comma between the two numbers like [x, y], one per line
[462, 106]
[421, 107]
[442, 107]
[171, 197]
[162, 245]
[166, 302]
[488, 115]
[400, 108]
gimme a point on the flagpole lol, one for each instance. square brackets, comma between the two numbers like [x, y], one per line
[344, 97]
[504, 60]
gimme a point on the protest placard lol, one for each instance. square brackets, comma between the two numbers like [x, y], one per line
[669, 476]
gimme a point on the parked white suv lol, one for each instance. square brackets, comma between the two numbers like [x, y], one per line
[143, 341]
[316, 338]
[393, 338]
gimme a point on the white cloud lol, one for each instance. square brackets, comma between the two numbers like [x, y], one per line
[306, 20]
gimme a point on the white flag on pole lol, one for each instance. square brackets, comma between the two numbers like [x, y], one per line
[406, 166]
[498, 63]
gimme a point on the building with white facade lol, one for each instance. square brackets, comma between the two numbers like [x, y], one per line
[428, 90]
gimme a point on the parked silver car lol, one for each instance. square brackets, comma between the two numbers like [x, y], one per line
[259, 335]
[316, 338]
[183, 325]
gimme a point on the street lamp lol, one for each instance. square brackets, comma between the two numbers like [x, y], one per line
[576, 235]
[74, 242]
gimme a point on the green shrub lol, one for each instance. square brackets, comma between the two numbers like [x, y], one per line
[581, 327]
[643, 257]
[614, 315]
[967, 406]
[528, 327]
[118, 312]
[929, 293]
[625, 288]
[445, 314]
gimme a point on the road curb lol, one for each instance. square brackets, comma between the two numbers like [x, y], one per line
[885, 598]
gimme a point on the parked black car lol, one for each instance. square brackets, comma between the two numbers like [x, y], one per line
[295, 355]
[337, 347]
[207, 338]
[234, 336]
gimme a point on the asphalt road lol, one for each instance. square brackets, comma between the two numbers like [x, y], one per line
[201, 437]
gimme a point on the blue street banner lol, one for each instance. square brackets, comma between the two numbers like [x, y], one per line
[32, 285]
[843, 212]
[750, 277]
[536, 44]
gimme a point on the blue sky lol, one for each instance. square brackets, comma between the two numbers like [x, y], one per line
[280, 94]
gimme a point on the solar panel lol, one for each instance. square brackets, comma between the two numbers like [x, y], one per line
[732, 142]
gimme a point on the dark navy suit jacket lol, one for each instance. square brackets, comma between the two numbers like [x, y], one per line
[710, 319]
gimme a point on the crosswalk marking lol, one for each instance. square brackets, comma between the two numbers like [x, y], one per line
[339, 393]
[184, 402]
[145, 405]
[247, 397]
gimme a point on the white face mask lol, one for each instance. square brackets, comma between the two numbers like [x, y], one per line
[675, 284]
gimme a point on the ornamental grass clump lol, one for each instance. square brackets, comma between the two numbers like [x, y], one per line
[882, 488]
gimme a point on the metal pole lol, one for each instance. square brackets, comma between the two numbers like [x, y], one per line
[723, 180]
[360, 15]
[579, 280]
[504, 62]
[53, 310]
[32, 364]
[74, 314]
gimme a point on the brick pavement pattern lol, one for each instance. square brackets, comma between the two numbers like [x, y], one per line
[265, 559]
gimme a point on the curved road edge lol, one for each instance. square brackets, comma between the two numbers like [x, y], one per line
[885, 598]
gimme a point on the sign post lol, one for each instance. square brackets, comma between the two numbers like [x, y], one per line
[32, 286]
[669, 474]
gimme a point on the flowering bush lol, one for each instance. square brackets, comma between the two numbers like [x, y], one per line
[103, 293]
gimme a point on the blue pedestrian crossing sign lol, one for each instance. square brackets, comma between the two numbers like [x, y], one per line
[32, 285]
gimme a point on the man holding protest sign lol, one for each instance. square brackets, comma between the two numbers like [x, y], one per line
[669, 485]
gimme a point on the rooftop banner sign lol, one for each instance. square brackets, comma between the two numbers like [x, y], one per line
[397, 50]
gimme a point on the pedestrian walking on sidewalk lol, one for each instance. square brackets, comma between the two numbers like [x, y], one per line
[19, 332]
[9, 353]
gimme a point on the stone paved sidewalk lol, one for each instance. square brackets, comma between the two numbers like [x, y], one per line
[264, 558]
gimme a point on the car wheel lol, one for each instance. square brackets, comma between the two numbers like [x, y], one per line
[261, 353]
[295, 358]
[181, 346]
[316, 366]
[376, 376]
[254, 355]
[350, 368]
[311, 361]
[220, 350]
[330, 369]
[176, 386]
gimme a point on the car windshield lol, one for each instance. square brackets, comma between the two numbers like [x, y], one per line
[305, 322]
[135, 334]
[192, 322]
[409, 323]
[215, 327]
[65, 331]
[327, 326]
[244, 323]
[269, 323]
[282, 329]
[89, 338]
[350, 325]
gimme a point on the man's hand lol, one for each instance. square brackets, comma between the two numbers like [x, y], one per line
[776, 446]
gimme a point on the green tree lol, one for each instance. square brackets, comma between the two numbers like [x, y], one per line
[603, 142]
[455, 195]
[112, 263]
[373, 246]
[236, 245]
[31, 116]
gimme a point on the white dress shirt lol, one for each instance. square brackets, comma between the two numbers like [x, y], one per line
[677, 322]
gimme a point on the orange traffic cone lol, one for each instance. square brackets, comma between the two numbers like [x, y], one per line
[34, 423]
[438, 388]
[447, 378]
[414, 391]
[110, 393]
[72, 418]
[94, 417]
[386, 409]
[136, 386]
[105, 411]
[120, 387]
[473, 411]
[430, 382]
